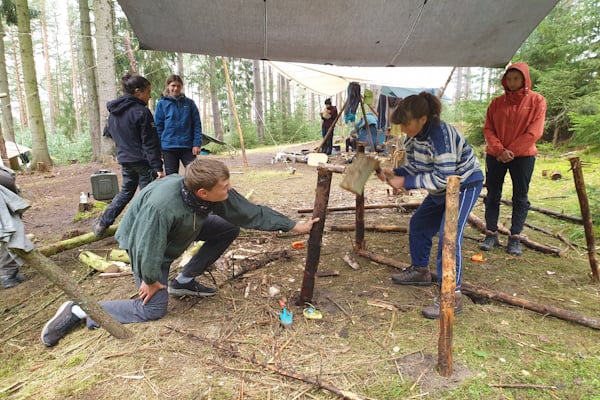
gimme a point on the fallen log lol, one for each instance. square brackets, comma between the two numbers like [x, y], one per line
[74, 242]
[406, 205]
[119, 255]
[98, 263]
[477, 291]
[543, 248]
[256, 262]
[552, 213]
[65, 283]
[372, 228]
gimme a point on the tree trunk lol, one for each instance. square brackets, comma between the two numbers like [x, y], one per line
[22, 104]
[36, 120]
[89, 65]
[214, 99]
[75, 81]
[258, 103]
[132, 64]
[180, 69]
[265, 89]
[49, 86]
[7, 117]
[107, 81]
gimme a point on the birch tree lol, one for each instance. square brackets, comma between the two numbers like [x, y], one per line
[36, 120]
[258, 102]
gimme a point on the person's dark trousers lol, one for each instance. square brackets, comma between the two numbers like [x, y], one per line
[328, 145]
[217, 235]
[171, 158]
[133, 175]
[350, 144]
[520, 170]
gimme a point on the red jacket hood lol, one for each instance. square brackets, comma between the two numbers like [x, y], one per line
[523, 68]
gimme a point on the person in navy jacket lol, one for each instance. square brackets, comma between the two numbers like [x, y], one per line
[179, 126]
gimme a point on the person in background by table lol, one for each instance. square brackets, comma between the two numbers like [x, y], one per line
[328, 116]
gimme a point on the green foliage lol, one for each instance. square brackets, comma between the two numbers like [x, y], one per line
[471, 113]
[62, 148]
[585, 120]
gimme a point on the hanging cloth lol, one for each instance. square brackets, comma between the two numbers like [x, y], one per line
[352, 102]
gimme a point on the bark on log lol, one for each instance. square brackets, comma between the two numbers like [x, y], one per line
[313, 253]
[372, 228]
[77, 241]
[478, 291]
[96, 262]
[543, 248]
[447, 293]
[64, 282]
[588, 226]
[406, 206]
[119, 255]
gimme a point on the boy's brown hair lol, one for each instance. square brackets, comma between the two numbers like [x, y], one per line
[204, 173]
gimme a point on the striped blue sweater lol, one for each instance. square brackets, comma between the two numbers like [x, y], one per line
[436, 153]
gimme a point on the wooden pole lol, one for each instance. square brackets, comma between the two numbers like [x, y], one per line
[65, 283]
[443, 89]
[359, 215]
[448, 289]
[234, 110]
[586, 216]
[315, 239]
[481, 292]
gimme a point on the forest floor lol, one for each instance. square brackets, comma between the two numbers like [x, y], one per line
[372, 342]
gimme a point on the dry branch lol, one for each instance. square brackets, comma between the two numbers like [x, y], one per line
[552, 213]
[372, 228]
[477, 291]
[543, 248]
[229, 350]
[408, 205]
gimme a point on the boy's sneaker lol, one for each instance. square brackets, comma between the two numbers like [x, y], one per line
[514, 246]
[99, 229]
[192, 288]
[433, 311]
[63, 322]
[413, 276]
[490, 241]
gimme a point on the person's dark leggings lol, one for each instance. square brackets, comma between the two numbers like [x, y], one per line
[172, 157]
[133, 175]
[328, 145]
[520, 170]
[217, 235]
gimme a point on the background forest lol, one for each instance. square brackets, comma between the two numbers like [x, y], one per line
[60, 62]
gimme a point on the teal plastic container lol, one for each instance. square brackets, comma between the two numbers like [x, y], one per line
[105, 185]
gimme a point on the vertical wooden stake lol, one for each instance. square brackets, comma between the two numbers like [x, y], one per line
[313, 252]
[586, 216]
[234, 109]
[447, 295]
[359, 216]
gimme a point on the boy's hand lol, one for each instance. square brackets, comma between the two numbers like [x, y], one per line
[147, 291]
[304, 226]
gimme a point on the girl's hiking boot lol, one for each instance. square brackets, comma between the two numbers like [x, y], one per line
[433, 311]
[413, 276]
[514, 246]
[490, 241]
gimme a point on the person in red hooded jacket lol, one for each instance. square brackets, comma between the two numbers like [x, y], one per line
[513, 124]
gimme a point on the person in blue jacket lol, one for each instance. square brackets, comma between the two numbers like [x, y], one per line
[179, 126]
[434, 151]
[131, 126]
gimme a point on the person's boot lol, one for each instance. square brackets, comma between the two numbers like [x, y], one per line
[490, 241]
[433, 311]
[514, 245]
[413, 276]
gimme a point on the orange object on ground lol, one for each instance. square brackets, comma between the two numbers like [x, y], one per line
[298, 245]
[477, 257]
